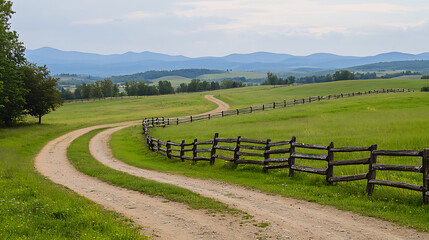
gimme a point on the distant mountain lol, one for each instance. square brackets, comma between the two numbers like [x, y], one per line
[128, 63]
[415, 65]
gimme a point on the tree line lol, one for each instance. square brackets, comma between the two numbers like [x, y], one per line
[25, 88]
[106, 88]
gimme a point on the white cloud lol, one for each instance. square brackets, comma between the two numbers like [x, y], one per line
[132, 16]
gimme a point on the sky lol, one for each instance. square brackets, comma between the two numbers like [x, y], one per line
[221, 27]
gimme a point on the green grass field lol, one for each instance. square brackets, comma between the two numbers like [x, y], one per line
[393, 121]
[33, 207]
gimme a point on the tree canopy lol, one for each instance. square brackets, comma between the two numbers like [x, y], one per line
[19, 95]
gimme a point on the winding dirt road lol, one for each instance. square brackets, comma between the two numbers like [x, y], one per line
[288, 218]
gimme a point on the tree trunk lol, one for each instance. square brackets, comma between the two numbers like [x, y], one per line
[40, 119]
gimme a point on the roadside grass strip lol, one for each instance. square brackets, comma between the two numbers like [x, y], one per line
[401, 124]
[79, 155]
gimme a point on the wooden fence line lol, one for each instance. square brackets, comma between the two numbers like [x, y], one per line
[266, 107]
[283, 154]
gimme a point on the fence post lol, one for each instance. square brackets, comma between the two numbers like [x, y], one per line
[291, 160]
[426, 175]
[266, 156]
[371, 172]
[330, 170]
[222, 113]
[157, 145]
[191, 118]
[284, 103]
[209, 116]
[194, 150]
[168, 121]
[168, 146]
[274, 105]
[294, 102]
[213, 152]
[238, 112]
[236, 150]
[177, 120]
[251, 109]
[263, 107]
[182, 152]
[309, 99]
[303, 100]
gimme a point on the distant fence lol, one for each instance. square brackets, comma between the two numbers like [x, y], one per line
[282, 154]
[266, 107]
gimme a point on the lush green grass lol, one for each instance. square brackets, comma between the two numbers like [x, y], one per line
[175, 80]
[81, 158]
[393, 121]
[250, 96]
[20, 183]
[33, 207]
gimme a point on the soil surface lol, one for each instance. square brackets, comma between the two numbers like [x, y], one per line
[286, 218]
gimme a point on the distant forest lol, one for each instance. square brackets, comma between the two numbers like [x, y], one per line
[150, 75]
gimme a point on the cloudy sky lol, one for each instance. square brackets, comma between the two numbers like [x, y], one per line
[220, 27]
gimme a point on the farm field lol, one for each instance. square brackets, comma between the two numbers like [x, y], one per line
[25, 192]
[401, 121]
[34, 207]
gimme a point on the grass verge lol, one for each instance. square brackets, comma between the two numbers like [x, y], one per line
[393, 121]
[80, 157]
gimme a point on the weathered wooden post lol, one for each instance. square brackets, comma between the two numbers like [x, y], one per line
[191, 118]
[194, 150]
[209, 116]
[291, 160]
[251, 109]
[266, 156]
[238, 111]
[284, 103]
[222, 113]
[182, 150]
[168, 146]
[371, 172]
[236, 150]
[426, 175]
[213, 152]
[309, 99]
[263, 107]
[177, 121]
[330, 170]
[274, 105]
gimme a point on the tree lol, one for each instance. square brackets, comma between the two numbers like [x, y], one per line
[425, 77]
[11, 60]
[42, 96]
[165, 87]
[194, 85]
[343, 75]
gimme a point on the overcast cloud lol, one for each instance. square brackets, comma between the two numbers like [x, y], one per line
[220, 27]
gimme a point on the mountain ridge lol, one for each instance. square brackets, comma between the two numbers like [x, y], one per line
[59, 61]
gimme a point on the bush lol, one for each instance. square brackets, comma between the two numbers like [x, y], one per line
[425, 89]
[425, 77]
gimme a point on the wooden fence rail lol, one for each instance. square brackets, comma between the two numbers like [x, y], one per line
[283, 154]
[265, 107]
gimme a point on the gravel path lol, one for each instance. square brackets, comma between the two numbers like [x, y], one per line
[288, 218]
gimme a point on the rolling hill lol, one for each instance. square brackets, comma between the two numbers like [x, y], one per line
[128, 63]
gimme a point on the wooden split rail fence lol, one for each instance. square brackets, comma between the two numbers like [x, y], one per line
[269, 106]
[283, 154]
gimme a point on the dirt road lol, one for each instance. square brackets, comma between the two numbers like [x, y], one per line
[288, 218]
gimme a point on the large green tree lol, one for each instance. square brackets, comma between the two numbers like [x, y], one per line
[42, 96]
[12, 101]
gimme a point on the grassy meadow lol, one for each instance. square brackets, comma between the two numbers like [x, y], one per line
[393, 121]
[33, 207]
